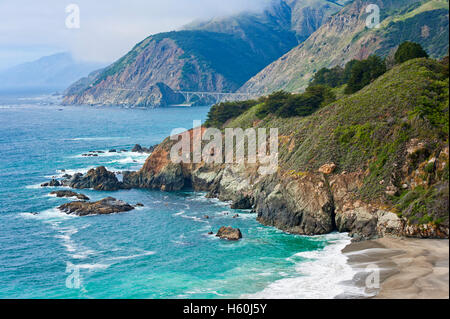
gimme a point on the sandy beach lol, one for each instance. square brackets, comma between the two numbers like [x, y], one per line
[406, 268]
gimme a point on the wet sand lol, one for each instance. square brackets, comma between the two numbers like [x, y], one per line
[406, 268]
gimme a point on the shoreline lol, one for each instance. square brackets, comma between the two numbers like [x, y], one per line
[407, 268]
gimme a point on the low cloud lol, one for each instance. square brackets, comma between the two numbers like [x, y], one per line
[108, 29]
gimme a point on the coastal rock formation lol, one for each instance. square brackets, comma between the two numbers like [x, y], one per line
[70, 194]
[376, 177]
[139, 149]
[52, 183]
[98, 179]
[229, 233]
[105, 206]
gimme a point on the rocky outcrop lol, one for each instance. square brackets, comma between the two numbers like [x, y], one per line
[105, 206]
[139, 149]
[98, 179]
[69, 194]
[300, 206]
[229, 233]
[156, 95]
[52, 183]
[307, 203]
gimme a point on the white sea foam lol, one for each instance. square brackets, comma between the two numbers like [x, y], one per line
[179, 213]
[129, 160]
[145, 253]
[96, 138]
[195, 218]
[47, 215]
[321, 276]
[89, 267]
[60, 173]
[35, 186]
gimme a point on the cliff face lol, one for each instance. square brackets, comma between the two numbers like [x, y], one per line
[364, 164]
[214, 56]
[345, 37]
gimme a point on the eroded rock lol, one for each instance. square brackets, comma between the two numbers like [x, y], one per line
[229, 233]
[66, 193]
[98, 179]
[105, 206]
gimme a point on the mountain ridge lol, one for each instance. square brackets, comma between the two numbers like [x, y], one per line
[345, 37]
[211, 56]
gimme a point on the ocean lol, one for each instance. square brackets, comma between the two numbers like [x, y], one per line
[162, 250]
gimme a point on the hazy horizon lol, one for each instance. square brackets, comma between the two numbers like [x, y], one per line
[30, 30]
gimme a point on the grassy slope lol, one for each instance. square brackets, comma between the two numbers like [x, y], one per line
[367, 131]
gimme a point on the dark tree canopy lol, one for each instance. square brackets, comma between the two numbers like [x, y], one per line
[364, 72]
[409, 50]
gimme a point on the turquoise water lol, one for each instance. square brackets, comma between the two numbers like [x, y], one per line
[160, 251]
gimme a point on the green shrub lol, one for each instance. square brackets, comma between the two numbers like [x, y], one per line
[273, 102]
[222, 112]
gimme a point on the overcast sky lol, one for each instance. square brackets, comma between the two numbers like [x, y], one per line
[30, 29]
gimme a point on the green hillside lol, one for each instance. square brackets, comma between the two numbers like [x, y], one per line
[371, 131]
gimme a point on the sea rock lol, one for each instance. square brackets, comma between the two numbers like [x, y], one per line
[52, 183]
[139, 205]
[139, 149]
[112, 151]
[98, 179]
[105, 206]
[66, 193]
[229, 233]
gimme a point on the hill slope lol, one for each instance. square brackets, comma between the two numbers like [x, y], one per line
[219, 55]
[346, 37]
[389, 143]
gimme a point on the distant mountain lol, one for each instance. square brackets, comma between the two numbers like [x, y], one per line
[345, 37]
[50, 73]
[216, 55]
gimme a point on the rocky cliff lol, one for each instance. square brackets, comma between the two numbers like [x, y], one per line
[372, 164]
[218, 55]
[345, 37]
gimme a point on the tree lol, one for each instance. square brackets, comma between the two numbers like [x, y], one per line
[364, 72]
[273, 102]
[409, 50]
[331, 77]
[222, 112]
[306, 103]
